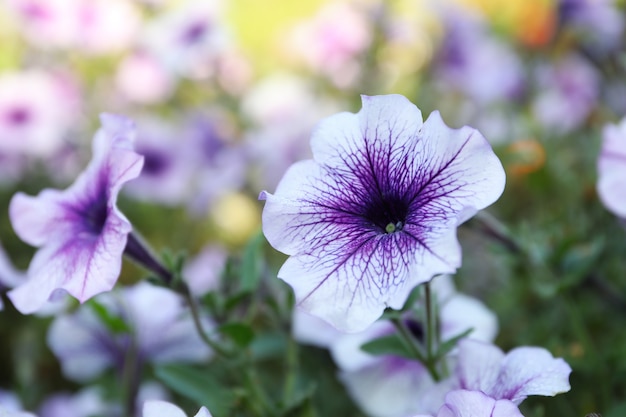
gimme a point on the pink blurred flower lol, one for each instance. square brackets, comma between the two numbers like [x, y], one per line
[91, 26]
[80, 231]
[612, 169]
[142, 79]
[37, 110]
[332, 41]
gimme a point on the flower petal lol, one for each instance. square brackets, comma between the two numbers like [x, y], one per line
[375, 135]
[531, 371]
[78, 264]
[463, 403]
[612, 169]
[37, 220]
[479, 365]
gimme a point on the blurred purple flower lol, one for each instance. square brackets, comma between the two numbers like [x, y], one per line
[187, 39]
[375, 212]
[599, 22]
[140, 78]
[167, 173]
[37, 110]
[80, 231]
[165, 409]
[220, 164]
[86, 347]
[568, 90]
[466, 61]
[612, 169]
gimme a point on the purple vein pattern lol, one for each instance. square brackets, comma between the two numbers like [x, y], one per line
[374, 213]
[80, 233]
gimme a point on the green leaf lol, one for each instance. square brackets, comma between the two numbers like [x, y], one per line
[239, 333]
[451, 343]
[114, 323]
[199, 386]
[251, 264]
[387, 345]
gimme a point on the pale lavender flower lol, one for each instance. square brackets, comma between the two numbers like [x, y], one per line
[522, 372]
[473, 61]
[86, 347]
[165, 409]
[375, 212]
[568, 90]
[461, 403]
[80, 231]
[4, 412]
[612, 169]
[599, 22]
[203, 272]
[140, 78]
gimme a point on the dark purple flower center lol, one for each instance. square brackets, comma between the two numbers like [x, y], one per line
[387, 213]
[18, 116]
[194, 32]
[95, 215]
[155, 162]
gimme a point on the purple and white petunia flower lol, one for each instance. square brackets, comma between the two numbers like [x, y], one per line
[80, 231]
[524, 371]
[165, 409]
[375, 212]
[86, 347]
[612, 169]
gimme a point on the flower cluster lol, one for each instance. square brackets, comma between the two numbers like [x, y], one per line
[252, 239]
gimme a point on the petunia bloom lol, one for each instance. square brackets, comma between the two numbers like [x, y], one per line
[165, 409]
[80, 231]
[612, 169]
[375, 212]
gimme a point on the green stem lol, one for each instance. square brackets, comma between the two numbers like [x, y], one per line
[261, 403]
[292, 367]
[130, 374]
[195, 314]
[412, 346]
